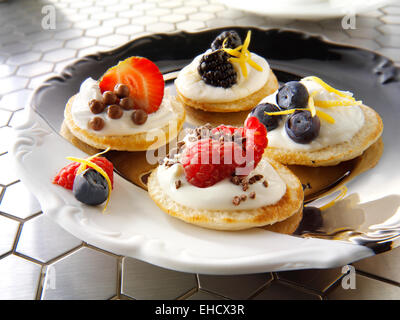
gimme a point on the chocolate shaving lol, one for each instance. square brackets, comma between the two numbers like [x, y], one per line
[265, 183]
[252, 195]
[169, 163]
[180, 144]
[178, 184]
[243, 197]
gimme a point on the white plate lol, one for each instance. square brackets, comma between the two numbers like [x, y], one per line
[306, 9]
[136, 227]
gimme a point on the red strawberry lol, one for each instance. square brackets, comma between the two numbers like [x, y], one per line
[143, 78]
[66, 175]
[208, 161]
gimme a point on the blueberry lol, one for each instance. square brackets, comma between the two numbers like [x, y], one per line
[292, 95]
[270, 122]
[301, 127]
[90, 187]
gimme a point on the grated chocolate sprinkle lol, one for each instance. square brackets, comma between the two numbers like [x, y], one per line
[178, 184]
[180, 144]
[243, 197]
[265, 183]
[252, 195]
[169, 163]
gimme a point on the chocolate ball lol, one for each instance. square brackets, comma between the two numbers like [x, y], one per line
[96, 106]
[96, 123]
[139, 116]
[109, 97]
[121, 90]
[114, 111]
[127, 103]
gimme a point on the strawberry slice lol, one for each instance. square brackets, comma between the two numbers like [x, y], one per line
[143, 78]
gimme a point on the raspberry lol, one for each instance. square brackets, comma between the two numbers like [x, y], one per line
[66, 175]
[256, 140]
[228, 133]
[208, 161]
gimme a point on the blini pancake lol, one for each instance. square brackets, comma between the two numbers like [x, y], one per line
[242, 104]
[290, 204]
[135, 142]
[368, 134]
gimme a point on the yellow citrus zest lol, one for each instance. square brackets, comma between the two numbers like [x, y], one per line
[82, 167]
[341, 195]
[310, 107]
[325, 116]
[329, 88]
[336, 103]
[310, 104]
[88, 163]
[242, 55]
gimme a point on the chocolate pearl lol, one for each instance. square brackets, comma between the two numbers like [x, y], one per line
[121, 90]
[127, 103]
[109, 97]
[96, 123]
[96, 106]
[115, 111]
[139, 116]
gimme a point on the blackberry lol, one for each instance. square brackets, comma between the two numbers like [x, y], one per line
[216, 70]
[233, 40]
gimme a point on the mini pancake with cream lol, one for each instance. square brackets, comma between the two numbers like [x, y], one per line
[267, 194]
[322, 128]
[127, 109]
[227, 77]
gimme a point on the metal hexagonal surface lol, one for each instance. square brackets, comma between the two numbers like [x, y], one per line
[53, 240]
[83, 274]
[18, 201]
[8, 234]
[7, 177]
[234, 287]
[282, 291]
[143, 281]
[22, 278]
[366, 289]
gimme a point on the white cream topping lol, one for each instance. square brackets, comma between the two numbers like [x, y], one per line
[81, 114]
[190, 84]
[220, 195]
[348, 121]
